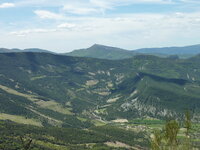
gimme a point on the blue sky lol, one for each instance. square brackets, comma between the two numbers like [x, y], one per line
[64, 25]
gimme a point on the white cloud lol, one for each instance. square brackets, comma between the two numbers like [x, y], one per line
[7, 5]
[66, 25]
[108, 4]
[190, 1]
[29, 31]
[100, 6]
[63, 27]
[101, 3]
[44, 14]
[123, 30]
[80, 10]
[41, 3]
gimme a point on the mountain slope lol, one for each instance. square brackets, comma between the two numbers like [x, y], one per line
[103, 52]
[5, 50]
[64, 91]
[181, 51]
[36, 50]
[113, 53]
[54, 138]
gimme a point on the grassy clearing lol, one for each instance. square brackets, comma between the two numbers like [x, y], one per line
[101, 111]
[112, 100]
[102, 93]
[52, 105]
[120, 121]
[20, 119]
[98, 123]
[150, 122]
[92, 82]
[81, 119]
[117, 145]
[50, 145]
[38, 77]
[155, 126]
[53, 121]
[14, 92]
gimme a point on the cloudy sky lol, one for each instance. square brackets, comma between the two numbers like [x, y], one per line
[64, 25]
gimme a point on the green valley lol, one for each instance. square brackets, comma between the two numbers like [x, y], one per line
[112, 104]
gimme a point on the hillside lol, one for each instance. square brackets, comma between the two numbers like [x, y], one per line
[54, 138]
[181, 51]
[102, 52]
[5, 50]
[113, 53]
[36, 50]
[98, 98]
[54, 90]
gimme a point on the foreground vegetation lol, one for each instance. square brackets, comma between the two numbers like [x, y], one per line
[171, 137]
[53, 138]
[138, 134]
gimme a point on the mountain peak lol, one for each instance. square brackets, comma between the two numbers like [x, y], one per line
[105, 47]
[98, 46]
[103, 52]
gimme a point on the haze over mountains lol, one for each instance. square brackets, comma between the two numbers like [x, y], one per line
[114, 53]
[186, 50]
[106, 52]
[5, 50]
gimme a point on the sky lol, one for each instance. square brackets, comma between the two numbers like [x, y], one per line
[65, 25]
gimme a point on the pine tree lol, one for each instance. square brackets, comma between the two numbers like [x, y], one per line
[188, 123]
[156, 141]
[188, 126]
[26, 143]
[171, 132]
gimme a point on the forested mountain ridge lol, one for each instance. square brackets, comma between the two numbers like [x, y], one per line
[185, 50]
[37, 50]
[114, 53]
[60, 90]
[103, 52]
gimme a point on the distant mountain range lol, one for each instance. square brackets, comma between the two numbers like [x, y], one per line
[102, 52]
[186, 50]
[106, 52]
[114, 53]
[5, 50]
